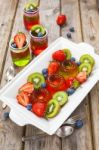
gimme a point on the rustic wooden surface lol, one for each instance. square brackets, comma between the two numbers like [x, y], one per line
[78, 13]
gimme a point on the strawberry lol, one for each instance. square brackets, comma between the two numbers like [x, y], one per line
[39, 109]
[69, 82]
[28, 88]
[81, 77]
[61, 20]
[20, 39]
[23, 99]
[53, 67]
[59, 55]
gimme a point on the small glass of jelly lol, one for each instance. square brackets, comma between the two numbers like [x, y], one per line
[56, 83]
[38, 39]
[31, 15]
[41, 95]
[19, 49]
[68, 69]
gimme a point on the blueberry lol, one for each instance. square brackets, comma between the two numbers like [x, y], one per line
[6, 115]
[73, 59]
[30, 10]
[45, 71]
[29, 106]
[70, 91]
[69, 35]
[40, 34]
[78, 124]
[13, 45]
[43, 85]
[78, 63]
[72, 29]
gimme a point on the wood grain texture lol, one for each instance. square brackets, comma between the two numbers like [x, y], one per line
[48, 12]
[7, 13]
[71, 9]
[89, 9]
[10, 133]
[81, 139]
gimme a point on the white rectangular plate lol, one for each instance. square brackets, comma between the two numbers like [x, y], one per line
[20, 115]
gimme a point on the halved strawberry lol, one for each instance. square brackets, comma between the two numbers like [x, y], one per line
[53, 67]
[20, 39]
[23, 99]
[27, 87]
[59, 55]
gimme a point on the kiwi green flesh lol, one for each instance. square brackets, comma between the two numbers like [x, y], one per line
[86, 58]
[29, 6]
[53, 108]
[75, 84]
[61, 97]
[85, 67]
[37, 29]
[68, 53]
[37, 79]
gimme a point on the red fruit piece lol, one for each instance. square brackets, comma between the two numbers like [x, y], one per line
[23, 99]
[28, 88]
[39, 109]
[69, 82]
[20, 39]
[61, 20]
[37, 52]
[81, 77]
[59, 55]
[53, 67]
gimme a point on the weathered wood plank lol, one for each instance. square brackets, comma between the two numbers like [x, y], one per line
[48, 19]
[7, 13]
[71, 9]
[10, 133]
[89, 15]
[94, 97]
[81, 139]
[89, 10]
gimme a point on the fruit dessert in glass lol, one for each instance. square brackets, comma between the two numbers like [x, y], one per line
[41, 95]
[55, 83]
[68, 69]
[19, 49]
[38, 40]
[31, 15]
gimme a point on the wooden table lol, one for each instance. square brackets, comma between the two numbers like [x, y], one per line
[78, 13]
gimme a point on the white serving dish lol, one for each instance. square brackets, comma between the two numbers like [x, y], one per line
[20, 115]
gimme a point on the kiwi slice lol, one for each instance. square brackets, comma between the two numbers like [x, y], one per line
[85, 67]
[75, 84]
[61, 97]
[30, 6]
[37, 29]
[86, 58]
[37, 79]
[53, 108]
[68, 53]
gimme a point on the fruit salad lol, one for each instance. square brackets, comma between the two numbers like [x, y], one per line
[38, 40]
[46, 92]
[19, 49]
